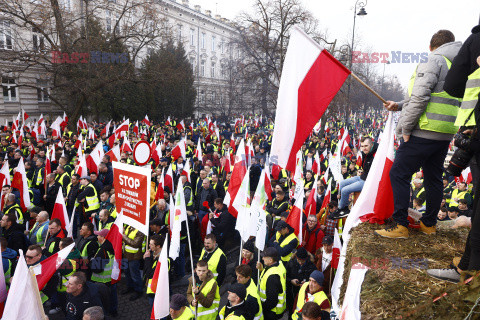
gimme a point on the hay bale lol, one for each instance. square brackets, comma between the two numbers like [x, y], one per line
[397, 286]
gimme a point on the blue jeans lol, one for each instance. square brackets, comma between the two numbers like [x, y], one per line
[348, 186]
[134, 279]
[180, 261]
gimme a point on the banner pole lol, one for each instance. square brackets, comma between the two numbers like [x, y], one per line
[240, 256]
[191, 264]
[367, 87]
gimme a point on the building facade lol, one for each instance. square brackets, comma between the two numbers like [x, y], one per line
[207, 39]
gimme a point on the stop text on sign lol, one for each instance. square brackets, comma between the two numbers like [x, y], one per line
[129, 181]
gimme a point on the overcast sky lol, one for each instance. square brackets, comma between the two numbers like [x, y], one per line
[405, 26]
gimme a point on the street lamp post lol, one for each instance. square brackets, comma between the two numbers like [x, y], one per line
[361, 12]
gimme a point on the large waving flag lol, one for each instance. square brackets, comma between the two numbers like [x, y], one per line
[23, 288]
[180, 150]
[161, 302]
[21, 183]
[179, 215]
[114, 153]
[311, 207]
[45, 269]
[60, 212]
[115, 237]
[239, 171]
[311, 77]
[198, 151]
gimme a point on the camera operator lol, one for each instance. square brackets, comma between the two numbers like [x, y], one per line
[463, 81]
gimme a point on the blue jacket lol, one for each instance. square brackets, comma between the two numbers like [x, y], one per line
[8, 255]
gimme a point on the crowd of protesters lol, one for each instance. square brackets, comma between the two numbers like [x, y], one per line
[292, 277]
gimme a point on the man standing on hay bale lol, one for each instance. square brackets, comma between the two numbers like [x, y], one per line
[464, 81]
[426, 125]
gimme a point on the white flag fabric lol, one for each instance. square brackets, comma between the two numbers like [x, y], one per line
[179, 215]
[161, 302]
[351, 307]
[365, 204]
[23, 288]
[257, 211]
[241, 204]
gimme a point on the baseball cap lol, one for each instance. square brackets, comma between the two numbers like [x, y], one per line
[280, 225]
[102, 233]
[327, 240]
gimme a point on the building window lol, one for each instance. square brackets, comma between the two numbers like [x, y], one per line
[213, 43]
[6, 41]
[108, 19]
[180, 36]
[203, 40]
[192, 62]
[202, 96]
[38, 40]
[192, 37]
[202, 68]
[212, 70]
[42, 91]
[10, 90]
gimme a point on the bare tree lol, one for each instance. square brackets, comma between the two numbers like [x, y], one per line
[264, 38]
[55, 38]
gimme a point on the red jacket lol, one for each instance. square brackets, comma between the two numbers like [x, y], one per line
[312, 240]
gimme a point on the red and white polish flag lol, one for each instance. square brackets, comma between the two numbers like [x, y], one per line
[161, 302]
[114, 235]
[239, 171]
[45, 269]
[20, 182]
[337, 248]
[311, 77]
[60, 212]
[295, 218]
[378, 185]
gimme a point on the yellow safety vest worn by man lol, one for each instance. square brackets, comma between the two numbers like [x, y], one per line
[217, 263]
[427, 125]
[273, 288]
[285, 244]
[252, 293]
[304, 296]
[209, 292]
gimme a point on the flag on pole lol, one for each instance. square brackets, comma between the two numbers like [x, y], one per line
[115, 237]
[23, 288]
[311, 207]
[257, 210]
[241, 203]
[161, 302]
[46, 268]
[4, 180]
[295, 218]
[239, 171]
[311, 77]
[198, 151]
[60, 212]
[337, 248]
[21, 183]
[179, 215]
